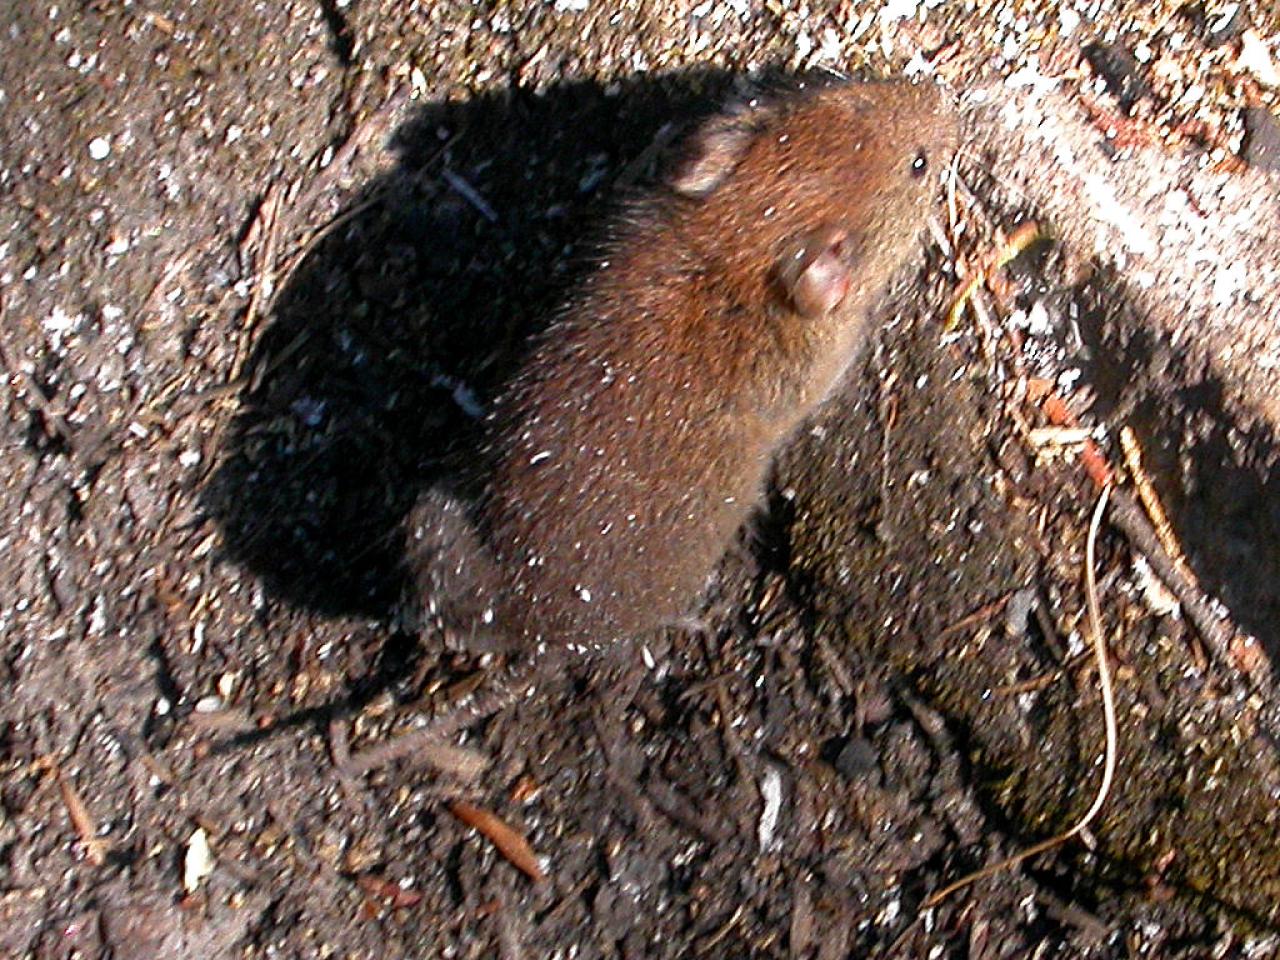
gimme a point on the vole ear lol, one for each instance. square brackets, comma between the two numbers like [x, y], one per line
[713, 152]
[815, 271]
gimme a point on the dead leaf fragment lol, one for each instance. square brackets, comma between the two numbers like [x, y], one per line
[510, 844]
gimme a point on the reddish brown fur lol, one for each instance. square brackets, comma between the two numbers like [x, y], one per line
[637, 437]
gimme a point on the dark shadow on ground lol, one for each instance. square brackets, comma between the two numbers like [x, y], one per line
[1217, 478]
[386, 341]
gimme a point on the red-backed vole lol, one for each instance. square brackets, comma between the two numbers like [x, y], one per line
[726, 305]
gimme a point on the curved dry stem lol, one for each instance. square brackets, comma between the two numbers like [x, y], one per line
[1108, 716]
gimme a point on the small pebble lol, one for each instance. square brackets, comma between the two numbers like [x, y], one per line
[857, 759]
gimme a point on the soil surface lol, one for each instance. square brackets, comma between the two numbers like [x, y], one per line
[263, 266]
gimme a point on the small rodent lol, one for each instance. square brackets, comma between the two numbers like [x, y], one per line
[637, 436]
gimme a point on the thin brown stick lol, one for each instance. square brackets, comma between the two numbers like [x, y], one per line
[95, 847]
[340, 162]
[268, 222]
[428, 742]
[982, 614]
[426, 745]
[1039, 682]
[309, 243]
[1147, 494]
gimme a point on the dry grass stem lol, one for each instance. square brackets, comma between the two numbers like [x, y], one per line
[1109, 720]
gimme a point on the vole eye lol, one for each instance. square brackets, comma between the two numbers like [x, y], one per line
[920, 164]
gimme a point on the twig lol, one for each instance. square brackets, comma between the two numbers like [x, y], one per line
[1150, 500]
[263, 291]
[1091, 457]
[310, 243]
[1128, 517]
[425, 744]
[470, 194]
[359, 137]
[726, 928]
[984, 612]
[834, 664]
[428, 741]
[953, 216]
[1032, 684]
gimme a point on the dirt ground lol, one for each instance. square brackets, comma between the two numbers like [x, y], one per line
[262, 266]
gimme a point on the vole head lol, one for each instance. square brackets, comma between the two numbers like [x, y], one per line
[817, 196]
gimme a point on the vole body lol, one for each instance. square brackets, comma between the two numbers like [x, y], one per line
[637, 436]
